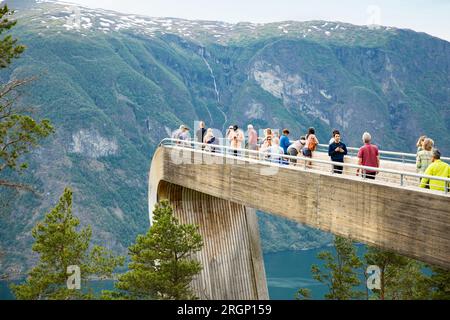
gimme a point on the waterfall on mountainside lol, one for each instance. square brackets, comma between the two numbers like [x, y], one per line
[202, 51]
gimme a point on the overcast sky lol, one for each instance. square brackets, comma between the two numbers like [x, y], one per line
[430, 16]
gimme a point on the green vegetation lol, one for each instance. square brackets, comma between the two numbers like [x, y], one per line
[162, 264]
[339, 272]
[60, 245]
[401, 278]
[19, 133]
[115, 94]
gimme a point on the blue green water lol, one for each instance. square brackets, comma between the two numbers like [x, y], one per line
[286, 272]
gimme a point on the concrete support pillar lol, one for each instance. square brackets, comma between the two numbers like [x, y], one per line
[233, 266]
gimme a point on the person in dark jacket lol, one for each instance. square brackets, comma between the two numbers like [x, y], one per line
[201, 132]
[337, 151]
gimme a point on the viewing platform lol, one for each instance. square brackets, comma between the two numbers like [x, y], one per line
[221, 191]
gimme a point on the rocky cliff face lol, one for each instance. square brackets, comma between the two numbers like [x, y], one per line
[115, 84]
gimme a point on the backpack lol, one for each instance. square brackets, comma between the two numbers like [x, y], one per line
[312, 144]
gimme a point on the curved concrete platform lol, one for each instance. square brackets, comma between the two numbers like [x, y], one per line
[412, 222]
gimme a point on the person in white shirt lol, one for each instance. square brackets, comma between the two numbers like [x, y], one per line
[273, 150]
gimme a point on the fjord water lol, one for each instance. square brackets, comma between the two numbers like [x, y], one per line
[286, 272]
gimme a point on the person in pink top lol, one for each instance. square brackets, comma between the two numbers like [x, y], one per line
[368, 156]
[252, 138]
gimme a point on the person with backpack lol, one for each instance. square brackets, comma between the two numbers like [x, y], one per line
[337, 151]
[311, 144]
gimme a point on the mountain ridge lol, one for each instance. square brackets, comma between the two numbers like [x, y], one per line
[113, 95]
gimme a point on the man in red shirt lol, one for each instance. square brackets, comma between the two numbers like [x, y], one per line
[368, 156]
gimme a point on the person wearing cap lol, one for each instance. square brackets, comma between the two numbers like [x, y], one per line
[228, 133]
[184, 135]
[176, 134]
[437, 168]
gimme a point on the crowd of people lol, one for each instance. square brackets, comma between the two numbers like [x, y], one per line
[274, 147]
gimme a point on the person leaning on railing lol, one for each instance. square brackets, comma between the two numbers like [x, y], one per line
[437, 169]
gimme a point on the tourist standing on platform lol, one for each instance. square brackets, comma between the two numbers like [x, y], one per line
[267, 133]
[236, 138]
[252, 138]
[176, 134]
[200, 134]
[368, 156]
[284, 141]
[210, 140]
[424, 157]
[419, 143]
[332, 136]
[228, 133]
[311, 144]
[337, 151]
[437, 169]
[273, 149]
[277, 151]
[296, 148]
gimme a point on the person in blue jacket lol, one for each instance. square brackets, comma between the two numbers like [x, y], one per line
[337, 151]
[284, 141]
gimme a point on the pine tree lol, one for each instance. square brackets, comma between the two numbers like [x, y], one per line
[9, 49]
[59, 245]
[303, 294]
[162, 266]
[340, 272]
[19, 133]
[401, 278]
[439, 284]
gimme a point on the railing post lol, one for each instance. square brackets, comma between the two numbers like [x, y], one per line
[401, 180]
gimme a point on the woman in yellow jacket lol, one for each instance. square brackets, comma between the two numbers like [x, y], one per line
[437, 169]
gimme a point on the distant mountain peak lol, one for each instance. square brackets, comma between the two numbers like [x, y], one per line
[50, 16]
